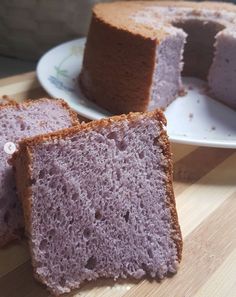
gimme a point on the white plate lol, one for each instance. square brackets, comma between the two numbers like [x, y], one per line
[193, 119]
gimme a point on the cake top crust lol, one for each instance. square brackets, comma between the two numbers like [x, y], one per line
[123, 15]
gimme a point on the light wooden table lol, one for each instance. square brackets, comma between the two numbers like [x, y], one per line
[205, 189]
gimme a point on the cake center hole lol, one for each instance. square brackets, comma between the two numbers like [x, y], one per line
[199, 48]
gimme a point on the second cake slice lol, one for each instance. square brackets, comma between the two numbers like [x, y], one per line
[19, 121]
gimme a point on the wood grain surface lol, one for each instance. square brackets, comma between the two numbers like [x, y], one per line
[205, 189]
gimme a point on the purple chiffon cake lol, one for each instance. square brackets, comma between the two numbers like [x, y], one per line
[150, 44]
[103, 206]
[17, 122]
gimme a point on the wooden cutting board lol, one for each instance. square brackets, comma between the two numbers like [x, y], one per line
[205, 189]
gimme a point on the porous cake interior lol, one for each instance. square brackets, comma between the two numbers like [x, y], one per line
[168, 66]
[18, 123]
[223, 71]
[99, 206]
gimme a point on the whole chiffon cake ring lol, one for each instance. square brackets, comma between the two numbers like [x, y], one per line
[134, 51]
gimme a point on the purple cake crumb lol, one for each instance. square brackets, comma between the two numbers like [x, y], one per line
[18, 122]
[99, 207]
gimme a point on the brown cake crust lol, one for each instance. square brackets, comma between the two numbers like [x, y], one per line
[119, 58]
[18, 233]
[106, 78]
[22, 161]
[6, 100]
[118, 13]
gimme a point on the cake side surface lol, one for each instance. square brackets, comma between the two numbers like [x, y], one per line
[105, 199]
[117, 68]
[23, 184]
[20, 121]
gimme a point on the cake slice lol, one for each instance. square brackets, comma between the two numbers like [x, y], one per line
[98, 201]
[17, 122]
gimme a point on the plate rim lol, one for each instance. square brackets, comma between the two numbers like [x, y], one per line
[176, 139]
